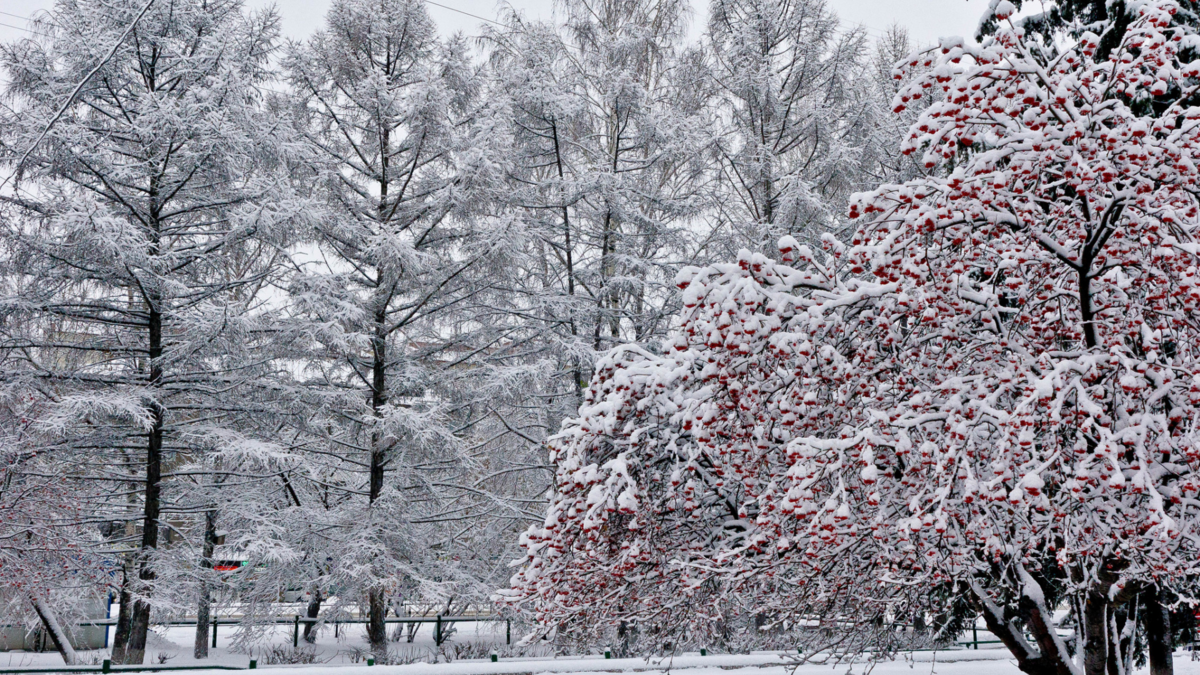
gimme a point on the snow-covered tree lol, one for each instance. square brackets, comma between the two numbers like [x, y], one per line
[606, 128]
[133, 279]
[398, 147]
[992, 390]
[48, 558]
[798, 101]
[609, 126]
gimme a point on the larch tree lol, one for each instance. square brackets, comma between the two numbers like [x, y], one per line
[608, 120]
[398, 147]
[992, 390]
[800, 120]
[132, 312]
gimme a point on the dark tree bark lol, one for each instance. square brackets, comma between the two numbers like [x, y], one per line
[1119, 650]
[376, 628]
[124, 615]
[1158, 633]
[313, 611]
[139, 626]
[376, 603]
[1095, 630]
[1033, 659]
[203, 608]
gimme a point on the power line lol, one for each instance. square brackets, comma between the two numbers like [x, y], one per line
[48, 17]
[15, 16]
[27, 30]
[473, 16]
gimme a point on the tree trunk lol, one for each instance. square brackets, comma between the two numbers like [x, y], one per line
[569, 251]
[314, 610]
[1030, 659]
[628, 636]
[124, 616]
[55, 630]
[1158, 633]
[376, 628]
[1095, 628]
[376, 607]
[203, 608]
[1118, 621]
[139, 626]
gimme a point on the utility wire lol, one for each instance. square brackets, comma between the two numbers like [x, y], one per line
[473, 16]
[15, 16]
[27, 30]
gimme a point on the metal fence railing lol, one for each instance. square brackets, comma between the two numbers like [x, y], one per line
[439, 622]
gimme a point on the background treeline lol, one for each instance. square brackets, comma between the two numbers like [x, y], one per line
[316, 305]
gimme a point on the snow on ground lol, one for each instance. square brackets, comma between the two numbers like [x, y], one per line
[984, 662]
[344, 655]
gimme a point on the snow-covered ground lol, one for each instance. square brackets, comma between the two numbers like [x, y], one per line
[468, 649]
[993, 661]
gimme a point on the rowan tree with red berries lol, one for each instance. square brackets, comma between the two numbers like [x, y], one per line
[52, 563]
[993, 388]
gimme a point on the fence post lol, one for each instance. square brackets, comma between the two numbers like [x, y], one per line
[975, 636]
[106, 666]
[296, 631]
[214, 633]
[335, 630]
[107, 615]
[437, 632]
[508, 631]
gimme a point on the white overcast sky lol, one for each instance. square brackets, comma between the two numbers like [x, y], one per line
[925, 19]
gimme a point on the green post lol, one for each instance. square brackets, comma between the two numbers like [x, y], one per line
[508, 631]
[607, 654]
[975, 636]
[335, 630]
[370, 661]
[106, 666]
[296, 631]
[214, 633]
[437, 631]
[703, 651]
[253, 664]
[495, 657]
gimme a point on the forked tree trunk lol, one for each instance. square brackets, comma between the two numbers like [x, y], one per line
[1106, 633]
[1047, 654]
[1123, 620]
